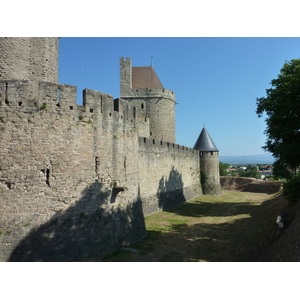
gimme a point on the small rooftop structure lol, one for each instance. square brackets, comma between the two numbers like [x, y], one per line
[145, 77]
[205, 142]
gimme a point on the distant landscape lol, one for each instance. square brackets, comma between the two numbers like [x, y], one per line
[265, 158]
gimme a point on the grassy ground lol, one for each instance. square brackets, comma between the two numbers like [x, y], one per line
[231, 227]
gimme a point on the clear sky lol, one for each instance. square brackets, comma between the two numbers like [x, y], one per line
[216, 80]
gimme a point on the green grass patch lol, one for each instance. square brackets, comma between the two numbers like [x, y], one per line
[231, 227]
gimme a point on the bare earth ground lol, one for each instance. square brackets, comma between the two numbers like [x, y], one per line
[233, 227]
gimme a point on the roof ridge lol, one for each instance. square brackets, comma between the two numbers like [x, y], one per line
[205, 142]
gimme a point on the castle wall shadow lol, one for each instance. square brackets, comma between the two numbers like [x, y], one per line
[88, 228]
[241, 239]
[170, 190]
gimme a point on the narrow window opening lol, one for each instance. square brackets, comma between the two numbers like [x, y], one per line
[47, 177]
[58, 105]
[153, 141]
[58, 95]
[142, 106]
[71, 107]
[6, 102]
[211, 153]
[134, 112]
[110, 114]
[125, 168]
[168, 144]
[161, 142]
[47, 174]
[150, 133]
[97, 164]
[145, 140]
[20, 103]
[116, 105]
[91, 110]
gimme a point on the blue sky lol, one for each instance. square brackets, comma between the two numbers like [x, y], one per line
[216, 80]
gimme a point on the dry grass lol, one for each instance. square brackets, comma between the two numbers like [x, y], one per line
[231, 227]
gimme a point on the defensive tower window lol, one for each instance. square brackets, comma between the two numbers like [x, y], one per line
[58, 97]
[47, 175]
[142, 106]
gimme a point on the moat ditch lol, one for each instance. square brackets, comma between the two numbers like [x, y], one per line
[232, 227]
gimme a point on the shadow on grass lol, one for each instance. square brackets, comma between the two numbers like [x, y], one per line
[238, 237]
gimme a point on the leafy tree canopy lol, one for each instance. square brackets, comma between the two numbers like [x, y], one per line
[223, 167]
[282, 108]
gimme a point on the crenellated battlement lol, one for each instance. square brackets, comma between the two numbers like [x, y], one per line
[23, 96]
[150, 93]
[153, 145]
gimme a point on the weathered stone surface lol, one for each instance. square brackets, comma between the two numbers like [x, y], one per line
[77, 181]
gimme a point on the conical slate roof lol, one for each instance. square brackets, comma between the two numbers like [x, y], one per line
[204, 142]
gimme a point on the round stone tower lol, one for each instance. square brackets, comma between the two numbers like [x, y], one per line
[143, 89]
[209, 164]
[29, 58]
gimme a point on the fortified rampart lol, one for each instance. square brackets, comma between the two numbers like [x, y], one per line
[29, 58]
[169, 174]
[77, 181]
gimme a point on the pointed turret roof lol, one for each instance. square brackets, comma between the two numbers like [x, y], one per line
[205, 142]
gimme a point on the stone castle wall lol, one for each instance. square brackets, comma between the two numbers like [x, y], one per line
[157, 105]
[77, 181]
[169, 174]
[210, 173]
[27, 58]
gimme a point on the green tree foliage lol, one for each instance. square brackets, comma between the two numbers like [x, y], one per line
[251, 171]
[282, 108]
[223, 167]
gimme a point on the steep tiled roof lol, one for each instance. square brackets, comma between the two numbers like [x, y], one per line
[145, 77]
[205, 142]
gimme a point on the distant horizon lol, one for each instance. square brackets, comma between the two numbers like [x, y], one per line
[269, 154]
[265, 158]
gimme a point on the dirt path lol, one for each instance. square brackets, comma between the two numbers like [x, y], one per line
[227, 228]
